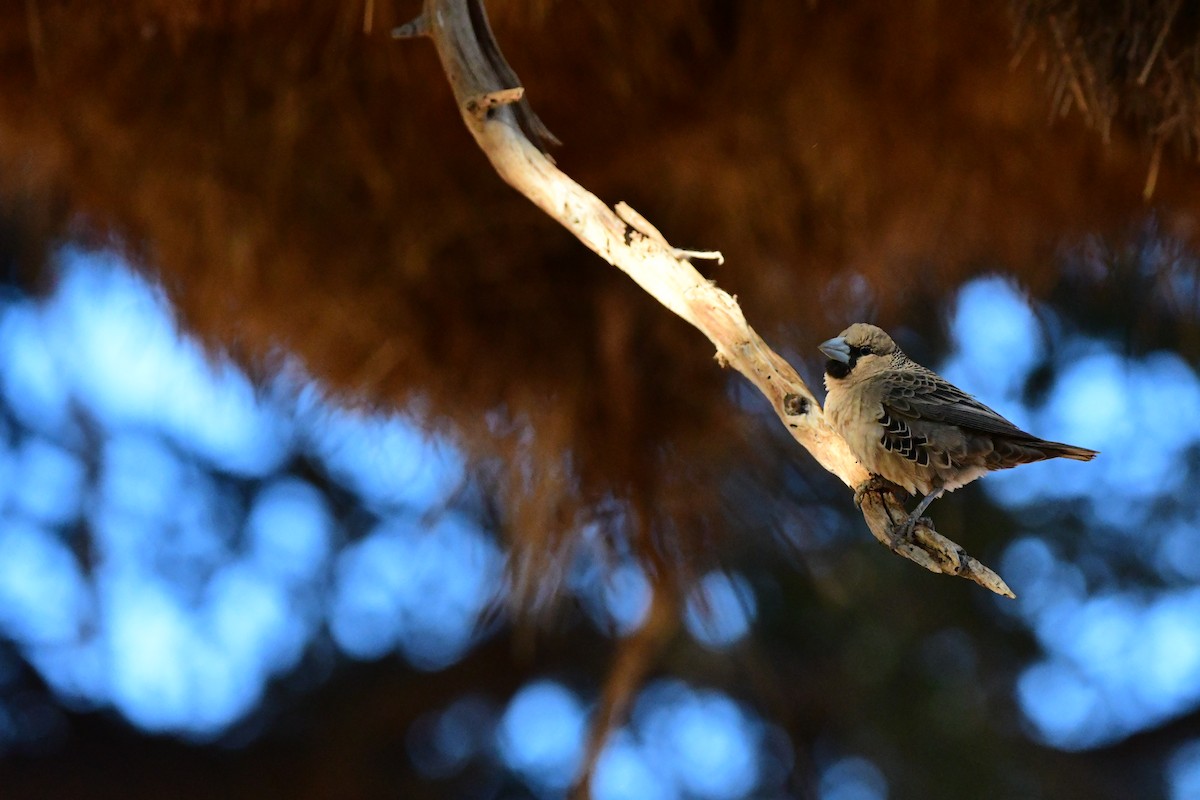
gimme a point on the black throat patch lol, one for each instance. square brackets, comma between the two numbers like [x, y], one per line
[838, 369]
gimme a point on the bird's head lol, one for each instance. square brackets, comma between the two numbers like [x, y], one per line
[860, 350]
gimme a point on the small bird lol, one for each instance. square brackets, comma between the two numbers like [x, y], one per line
[909, 425]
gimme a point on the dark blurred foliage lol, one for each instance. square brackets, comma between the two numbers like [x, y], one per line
[306, 192]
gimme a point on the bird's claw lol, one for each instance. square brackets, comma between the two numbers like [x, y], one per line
[875, 483]
[860, 494]
[904, 531]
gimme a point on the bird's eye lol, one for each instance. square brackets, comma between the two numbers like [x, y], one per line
[857, 351]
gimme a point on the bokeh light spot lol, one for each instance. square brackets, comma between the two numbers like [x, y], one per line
[541, 734]
[852, 778]
[720, 609]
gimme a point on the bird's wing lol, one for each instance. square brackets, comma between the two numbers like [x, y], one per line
[919, 394]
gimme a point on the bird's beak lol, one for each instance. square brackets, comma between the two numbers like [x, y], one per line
[836, 349]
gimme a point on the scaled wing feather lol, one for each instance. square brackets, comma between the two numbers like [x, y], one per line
[920, 394]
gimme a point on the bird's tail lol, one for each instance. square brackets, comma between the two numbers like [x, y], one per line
[1060, 450]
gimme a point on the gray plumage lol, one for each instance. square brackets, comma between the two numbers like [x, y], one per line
[909, 425]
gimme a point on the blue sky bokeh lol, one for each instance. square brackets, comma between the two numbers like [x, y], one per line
[1116, 659]
[131, 450]
[213, 564]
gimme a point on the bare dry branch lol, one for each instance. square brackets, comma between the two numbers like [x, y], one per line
[494, 109]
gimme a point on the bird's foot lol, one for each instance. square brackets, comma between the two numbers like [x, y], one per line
[876, 484]
[903, 532]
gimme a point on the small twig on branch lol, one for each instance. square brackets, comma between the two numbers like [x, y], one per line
[635, 220]
[643, 225]
[704, 255]
[505, 127]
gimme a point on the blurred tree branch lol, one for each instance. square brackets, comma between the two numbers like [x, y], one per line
[636, 654]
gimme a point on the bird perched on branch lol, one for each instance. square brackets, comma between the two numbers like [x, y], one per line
[909, 425]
